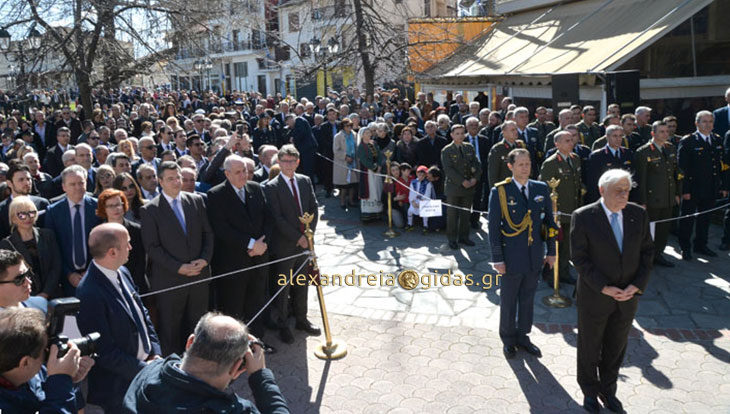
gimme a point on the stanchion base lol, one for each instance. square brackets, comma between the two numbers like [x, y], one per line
[557, 301]
[391, 233]
[337, 350]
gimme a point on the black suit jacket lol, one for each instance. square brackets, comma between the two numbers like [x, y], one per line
[53, 163]
[596, 256]
[260, 175]
[235, 224]
[49, 273]
[283, 213]
[430, 154]
[168, 247]
[74, 126]
[137, 262]
[41, 204]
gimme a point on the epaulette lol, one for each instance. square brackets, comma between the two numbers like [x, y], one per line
[506, 181]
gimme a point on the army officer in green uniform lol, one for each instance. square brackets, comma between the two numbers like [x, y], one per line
[565, 165]
[658, 190]
[497, 160]
[462, 170]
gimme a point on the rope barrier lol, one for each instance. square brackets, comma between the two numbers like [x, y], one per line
[208, 279]
[276, 294]
[472, 210]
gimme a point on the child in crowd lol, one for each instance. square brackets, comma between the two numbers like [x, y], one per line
[434, 176]
[421, 191]
[402, 188]
[392, 188]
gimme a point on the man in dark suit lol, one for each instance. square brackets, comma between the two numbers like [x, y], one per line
[481, 147]
[304, 141]
[266, 155]
[238, 216]
[613, 155]
[722, 117]
[199, 128]
[72, 124]
[612, 249]
[53, 163]
[700, 159]
[531, 137]
[428, 148]
[289, 196]
[85, 158]
[45, 131]
[179, 242]
[518, 210]
[111, 305]
[325, 134]
[147, 152]
[20, 183]
[72, 218]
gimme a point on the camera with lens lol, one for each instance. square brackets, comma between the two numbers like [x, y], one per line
[58, 309]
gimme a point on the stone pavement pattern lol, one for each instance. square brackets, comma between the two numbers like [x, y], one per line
[438, 351]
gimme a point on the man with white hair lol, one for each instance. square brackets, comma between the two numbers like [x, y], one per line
[148, 152]
[612, 249]
[643, 125]
[700, 158]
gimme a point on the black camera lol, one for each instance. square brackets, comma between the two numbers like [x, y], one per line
[58, 309]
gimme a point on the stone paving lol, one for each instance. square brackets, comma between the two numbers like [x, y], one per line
[437, 350]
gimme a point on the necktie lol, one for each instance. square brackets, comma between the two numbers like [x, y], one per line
[570, 163]
[299, 205]
[242, 195]
[179, 215]
[79, 252]
[616, 227]
[135, 315]
[524, 192]
[461, 151]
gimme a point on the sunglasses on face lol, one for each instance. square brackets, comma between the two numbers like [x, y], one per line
[25, 214]
[20, 279]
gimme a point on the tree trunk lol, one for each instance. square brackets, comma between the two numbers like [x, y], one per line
[84, 83]
[368, 67]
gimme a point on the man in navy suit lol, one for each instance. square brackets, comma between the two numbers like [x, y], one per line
[72, 218]
[304, 141]
[111, 306]
[722, 117]
[518, 209]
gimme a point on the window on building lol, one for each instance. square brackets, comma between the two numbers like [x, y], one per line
[294, 22]
[304, 50]
[240, 69]
[427, 8]
[235, 34]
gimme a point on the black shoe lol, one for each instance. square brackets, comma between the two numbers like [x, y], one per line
[307, 327]
[705, 251]
[286, 336]
[510, 351]
[467, 242]
[531, 349]
[453, 246]
[612, 403]
[686, 255]
[590, 404]
[662, 261]
[724, 247]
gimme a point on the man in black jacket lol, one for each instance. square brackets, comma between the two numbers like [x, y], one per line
[217, 353]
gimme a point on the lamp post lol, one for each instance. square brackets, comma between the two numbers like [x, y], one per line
[315, 46]
[18, 53]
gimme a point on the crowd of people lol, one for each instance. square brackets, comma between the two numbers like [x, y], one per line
[157, 189]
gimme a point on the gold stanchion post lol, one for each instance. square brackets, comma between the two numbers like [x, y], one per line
[330, 348]
[390, 232]
[556, 300]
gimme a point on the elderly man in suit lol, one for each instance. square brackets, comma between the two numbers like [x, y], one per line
[612, 249]
[289, 196]
[518, 210]
[111, 306]
[72, 218]
[178, 239]
[238, 215]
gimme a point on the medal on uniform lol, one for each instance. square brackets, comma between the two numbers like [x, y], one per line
[511, 202]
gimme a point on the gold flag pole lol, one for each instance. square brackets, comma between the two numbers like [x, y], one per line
[388, 179]
[330, 348]
[556, 300]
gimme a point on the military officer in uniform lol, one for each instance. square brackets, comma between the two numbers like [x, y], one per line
[657, 176]
[700, 158]
[565, 118]
[588, 126]
[613, 155]
[497, 160]
[542, 124]
[579, 149]
[519, 208]
[462, 170]
[530, 137]
[565, 166]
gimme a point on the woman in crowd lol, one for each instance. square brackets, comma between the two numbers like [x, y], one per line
[112, 207]
[370, 160]
[37, 245]
[382, 139]
[405, 149]
[126, 147]
[343, 175]
[104, 179]
[263, 134]
[125, 183]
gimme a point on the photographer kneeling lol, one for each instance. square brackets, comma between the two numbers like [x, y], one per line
[26, 384]
[216, 354]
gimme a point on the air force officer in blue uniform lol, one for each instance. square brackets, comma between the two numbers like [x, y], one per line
[518, 210]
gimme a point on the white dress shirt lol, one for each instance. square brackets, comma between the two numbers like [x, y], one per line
[519, 188]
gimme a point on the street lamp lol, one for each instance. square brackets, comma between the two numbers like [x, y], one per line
[34, 38]
[324, 54]
[6, 46]
[4, 40]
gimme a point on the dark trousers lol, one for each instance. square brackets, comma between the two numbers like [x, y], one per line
[477, 201]
[281, 307]
[457, 220]
[726, 232]
[179, 310]
[661, 230]
[703, 222]
[324, 173]
[241, 295]
[603, 331]
[564, 253]
[516, 303]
